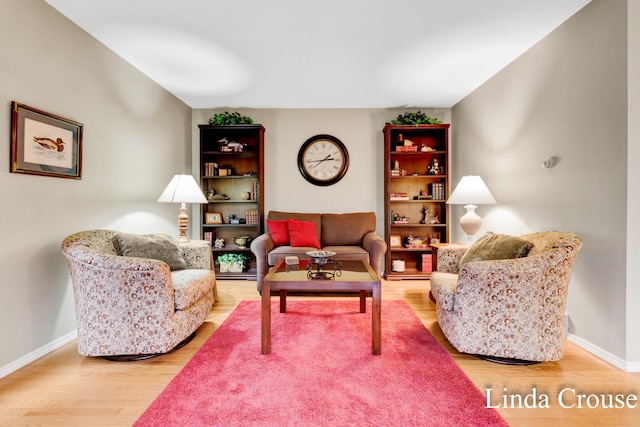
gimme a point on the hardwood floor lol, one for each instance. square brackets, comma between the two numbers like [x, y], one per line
[66, 389]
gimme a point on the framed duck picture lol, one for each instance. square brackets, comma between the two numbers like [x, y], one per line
[44, 144]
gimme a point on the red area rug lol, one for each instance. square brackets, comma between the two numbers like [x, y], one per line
[321, 373]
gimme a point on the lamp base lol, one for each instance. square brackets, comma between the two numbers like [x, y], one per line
[183, 225]
[470, 222]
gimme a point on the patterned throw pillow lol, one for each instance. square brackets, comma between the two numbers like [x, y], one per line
[494, 246]
[155, 246]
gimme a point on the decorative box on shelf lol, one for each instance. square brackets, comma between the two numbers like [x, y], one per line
[426, 265]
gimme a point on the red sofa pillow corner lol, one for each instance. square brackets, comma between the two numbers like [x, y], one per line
[303, 233]
[279, 231]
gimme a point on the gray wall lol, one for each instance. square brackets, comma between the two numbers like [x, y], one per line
[136, 136]
[633, 178]
[567, 98]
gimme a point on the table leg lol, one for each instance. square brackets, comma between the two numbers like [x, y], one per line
[266, 317]
[376, 319]
[283, 301]
[363, 301]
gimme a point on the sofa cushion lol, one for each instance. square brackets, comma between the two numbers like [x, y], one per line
[303, 233]
[347, 253]
[281, 252]
[346, 229]
[155, 246]
[190, 286]
[494, 246]
[279, 231]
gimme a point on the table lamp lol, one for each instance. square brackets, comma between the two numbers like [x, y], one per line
[471, 191]
[183, 189]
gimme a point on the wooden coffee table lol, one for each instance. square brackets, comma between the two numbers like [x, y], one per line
[357, 276]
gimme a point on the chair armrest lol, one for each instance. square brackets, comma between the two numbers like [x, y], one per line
[102, 277]
[197, 254]
[443, 288]
[449, 257]
[513, 284]
[376, 246]
[261, 246]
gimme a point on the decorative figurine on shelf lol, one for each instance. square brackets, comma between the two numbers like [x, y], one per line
[434, 167]
[431, 217]
[409, 241]
[400, 219]
[219, 243]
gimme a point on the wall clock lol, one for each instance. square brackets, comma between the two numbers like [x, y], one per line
[323, 160]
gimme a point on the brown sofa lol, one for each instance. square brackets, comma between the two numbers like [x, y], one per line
[351, 235]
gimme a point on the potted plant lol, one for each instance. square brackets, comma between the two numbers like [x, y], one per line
[227, 118]
[231, 262]
[418, 118]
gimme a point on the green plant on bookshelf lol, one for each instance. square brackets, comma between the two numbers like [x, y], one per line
[418, 118]
[228, 118]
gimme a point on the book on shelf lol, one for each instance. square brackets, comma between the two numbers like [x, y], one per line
[398, 196]
[406, 149]
[437, 191]
[251, 215]
[208, 236]
[253, 190]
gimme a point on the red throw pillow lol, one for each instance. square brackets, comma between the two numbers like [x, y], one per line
[279, 231]
[303, 233]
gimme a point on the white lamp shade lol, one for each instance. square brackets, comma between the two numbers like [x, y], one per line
[471, 190]
[182, 189]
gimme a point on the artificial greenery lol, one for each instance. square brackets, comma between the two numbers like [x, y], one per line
[228, 118]
[232, 258]
[418, 118]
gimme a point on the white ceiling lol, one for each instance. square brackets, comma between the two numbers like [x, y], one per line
[319, 53]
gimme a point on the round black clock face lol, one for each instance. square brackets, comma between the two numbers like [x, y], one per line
[323, 160]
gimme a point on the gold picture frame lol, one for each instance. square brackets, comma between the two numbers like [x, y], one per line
[213, 218]
[395, 241]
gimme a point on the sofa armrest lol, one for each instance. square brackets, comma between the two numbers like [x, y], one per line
[449, 257]
[261, 246]
[376, 246]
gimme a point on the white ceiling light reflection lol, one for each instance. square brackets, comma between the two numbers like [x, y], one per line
[181, 63]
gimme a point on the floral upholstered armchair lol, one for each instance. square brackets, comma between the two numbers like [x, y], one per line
[137, 295]
[505, 309]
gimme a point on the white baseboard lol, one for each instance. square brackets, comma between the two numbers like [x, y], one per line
[604, 355]
[36, 354]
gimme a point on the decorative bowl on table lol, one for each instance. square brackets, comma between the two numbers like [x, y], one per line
[320, 257]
